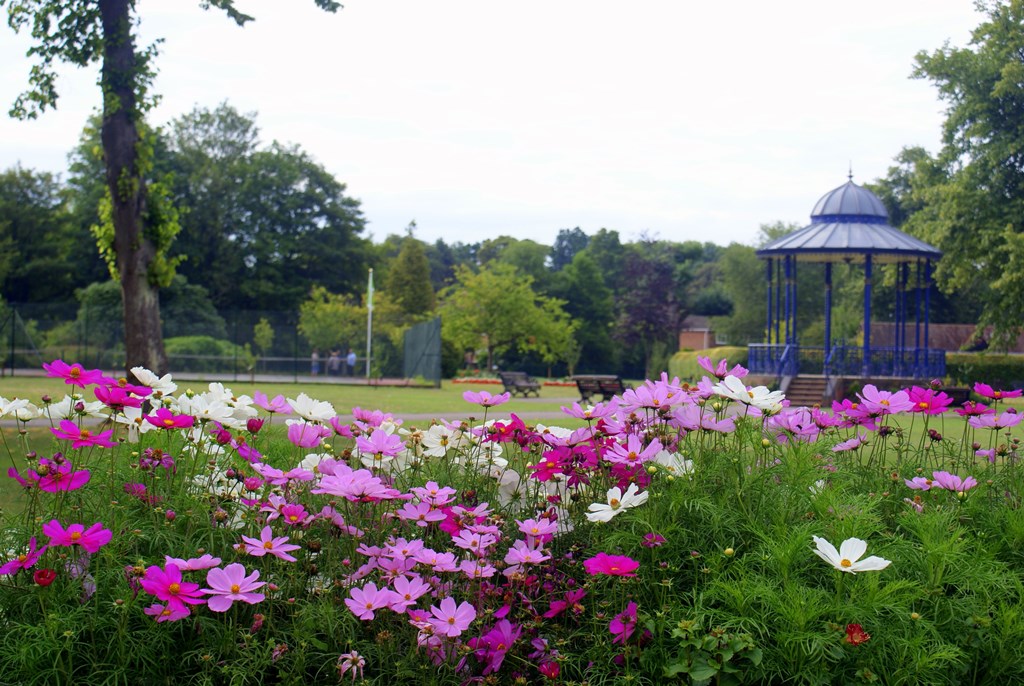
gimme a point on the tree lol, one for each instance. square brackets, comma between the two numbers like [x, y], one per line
[970, 197]
[141, 227]
[498, 308]
[649, 309]
[36, 235]
[589, 302]
[568, 242]
[408, 281]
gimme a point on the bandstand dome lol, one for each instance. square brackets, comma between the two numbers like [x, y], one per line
[847, 224]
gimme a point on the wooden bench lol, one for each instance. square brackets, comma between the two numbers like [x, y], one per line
[607, 385]
[519, 383]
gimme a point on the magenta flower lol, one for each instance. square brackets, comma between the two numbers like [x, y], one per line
[279, 405]
[165, 419]
[653, 540]
[919, 483]
[492, 647]
[305, 435]
[61, 477]
[485, 399]
[363, 601]
[380, 442]
[421, 514]
[721, 370]
[611, 565]
[80, 438]
[91, 539]
[116, 398]
[928, 400]
[166, 584]
[23, 560]
[451, 620]
[986, 391]
[267, 544]
[974, 409]
[351, 661]
[230, 584]
[624, 624]
[73, 374]
[167, 613]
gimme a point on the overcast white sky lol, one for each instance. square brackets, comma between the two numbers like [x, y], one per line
[686, 120]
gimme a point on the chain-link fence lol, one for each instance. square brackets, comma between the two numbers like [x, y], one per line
[235, 343]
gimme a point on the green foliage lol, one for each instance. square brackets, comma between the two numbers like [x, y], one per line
[326, 319]
[408, 282]
[189, 349]
[684, 363]
[263, 336]
[498, 309]
[997, 370]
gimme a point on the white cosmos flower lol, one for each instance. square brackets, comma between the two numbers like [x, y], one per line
[27, 413]
[674, 463]
[313, 410]
[160, 384]
[65, 408]
[847, 558]
[11, 406]
[758, 396]
[617, 502]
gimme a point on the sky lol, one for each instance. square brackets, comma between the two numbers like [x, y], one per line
[672, 119]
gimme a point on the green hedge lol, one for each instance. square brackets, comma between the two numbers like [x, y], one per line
[684, 363]
[998, 370]
[206, 354]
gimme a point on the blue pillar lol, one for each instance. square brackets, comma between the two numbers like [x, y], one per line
[917, 324]
[794, 300]
[867, 316]
[789, 296]
[778, 300]
[904, 268]
[768, 275]
[828, 308]
[927, 307]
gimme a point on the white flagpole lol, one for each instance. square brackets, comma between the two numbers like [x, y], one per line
[369, 322]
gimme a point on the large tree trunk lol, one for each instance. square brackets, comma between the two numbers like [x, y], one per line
[143, 337]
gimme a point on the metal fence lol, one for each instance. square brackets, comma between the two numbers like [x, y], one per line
[204, 342]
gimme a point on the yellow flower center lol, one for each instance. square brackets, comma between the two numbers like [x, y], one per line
[293, 518]
[174, 588]
[845, 563]
[883, 402]
[75, 372]
[22, 557]
[268, 545]
[168, 422]
[84, 433]
[76, 535]
[923, 405]
[235, 588]
[165, 612]
[614, 502]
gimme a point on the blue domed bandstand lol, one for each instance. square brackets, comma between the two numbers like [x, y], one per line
[849, 225]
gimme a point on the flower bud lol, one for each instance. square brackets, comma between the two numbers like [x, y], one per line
[253, 425]
[729, 552]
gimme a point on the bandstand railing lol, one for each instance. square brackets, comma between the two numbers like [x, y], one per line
[781, 360]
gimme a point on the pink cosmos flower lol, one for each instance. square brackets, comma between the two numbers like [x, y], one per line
[721, 370]
[850, 444]
[166, 584]
[624, 624]
[167, 613]
[879, 403]
[91, 539]
[73, 374]
[653, 540]
[380, 442]
[451, 620]
[351, 661]
[974, 409]
[279, 405]
[80, 438]
[996, 421]
[230, 584]
[492, 647]
[919, 483]
[421, 514]
[23, 560]
[305, 435]
[952, 482]
[116, 398]
[591, 412]
[407, 591]
[193, 564]
[986, 391]
[541, 530]
[485, 399]
[165, 419]
[267, 544]
[363, 601]
[294, 514]
[633, 452]
[611, 565]
[433, 493]
[60, 477]
[928, 400]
